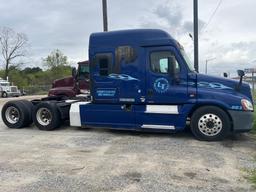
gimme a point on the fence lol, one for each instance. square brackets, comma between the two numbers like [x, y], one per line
[36, 89]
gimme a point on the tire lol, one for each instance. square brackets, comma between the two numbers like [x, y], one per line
[46, 116]
[4, 95]
[30, 107]
[210, 123]
[15, 115]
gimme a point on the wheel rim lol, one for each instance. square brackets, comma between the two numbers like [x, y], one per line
[44, 116]
[210, 124]
[12, 115]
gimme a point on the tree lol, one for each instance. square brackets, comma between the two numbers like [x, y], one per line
[13, 46]
[55, 59]
[57, 65]
[28, 70]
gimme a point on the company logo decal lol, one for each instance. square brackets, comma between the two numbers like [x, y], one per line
[161, 85]
[123, 77]
[106, 92]
[210, 85]
[236, 107]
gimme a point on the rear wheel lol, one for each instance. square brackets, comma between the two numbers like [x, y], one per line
[46, 116]
[15, 114]
[210, 123]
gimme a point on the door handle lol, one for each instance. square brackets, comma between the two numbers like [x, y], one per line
[176, 80]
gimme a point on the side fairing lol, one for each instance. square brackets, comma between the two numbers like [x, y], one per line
[158, 117]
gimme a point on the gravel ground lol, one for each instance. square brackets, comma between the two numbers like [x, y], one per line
[72, 159]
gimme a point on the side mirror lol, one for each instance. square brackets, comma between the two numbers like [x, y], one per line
[240, 73]
[74, 72]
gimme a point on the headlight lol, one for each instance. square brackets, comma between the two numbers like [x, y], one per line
[247, 105]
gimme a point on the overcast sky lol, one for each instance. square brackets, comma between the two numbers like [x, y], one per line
[230, 37]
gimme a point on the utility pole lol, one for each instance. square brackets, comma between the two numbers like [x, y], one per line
[105, 15]
[196, 35]
[253, 86]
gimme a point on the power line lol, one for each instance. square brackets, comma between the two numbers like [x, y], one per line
[211, 17]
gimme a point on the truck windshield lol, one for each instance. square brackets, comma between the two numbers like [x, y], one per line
[83, 71]
[5, 84]
[187, 59]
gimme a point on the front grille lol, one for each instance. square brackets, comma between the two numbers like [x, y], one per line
[14, 89]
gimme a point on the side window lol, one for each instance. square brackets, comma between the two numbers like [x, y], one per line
[104, 60]
[163, 62]
[125, 54]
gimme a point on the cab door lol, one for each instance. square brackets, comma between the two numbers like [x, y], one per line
[166, 76]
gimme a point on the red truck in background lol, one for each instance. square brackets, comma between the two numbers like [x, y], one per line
[72, 86]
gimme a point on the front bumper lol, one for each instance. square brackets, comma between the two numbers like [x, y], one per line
[13, 94]
[242, 120]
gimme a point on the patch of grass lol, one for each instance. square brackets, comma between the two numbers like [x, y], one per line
[250, 175]
[254, 123]
[253, 177]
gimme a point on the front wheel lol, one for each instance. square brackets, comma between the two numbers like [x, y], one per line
[210, 123]
[4, 95]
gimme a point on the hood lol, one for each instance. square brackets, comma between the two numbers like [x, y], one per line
[64, 82]
[223, 84]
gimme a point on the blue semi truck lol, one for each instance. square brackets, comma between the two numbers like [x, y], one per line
[143, 80]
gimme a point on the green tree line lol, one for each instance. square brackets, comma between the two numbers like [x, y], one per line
[36, 76]
[57, 67]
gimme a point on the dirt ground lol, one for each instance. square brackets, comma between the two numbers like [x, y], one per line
[72, 159]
